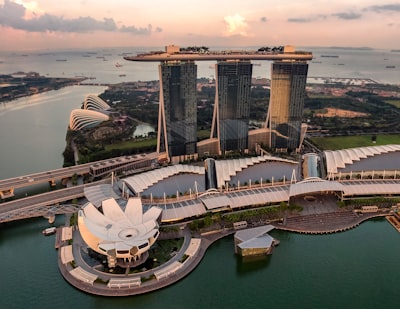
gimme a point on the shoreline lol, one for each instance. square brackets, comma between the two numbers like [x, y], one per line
[28, 84]
[207, 239]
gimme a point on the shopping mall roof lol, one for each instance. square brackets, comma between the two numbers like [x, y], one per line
[315, 184]
[336, 159]
[140, 182]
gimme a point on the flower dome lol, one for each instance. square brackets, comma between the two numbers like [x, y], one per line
[119, 233]
[83, 118]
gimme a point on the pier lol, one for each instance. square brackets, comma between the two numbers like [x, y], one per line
[394, 220]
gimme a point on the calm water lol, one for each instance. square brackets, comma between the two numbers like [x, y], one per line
[32, 130]
[100, 64]
[355, 269]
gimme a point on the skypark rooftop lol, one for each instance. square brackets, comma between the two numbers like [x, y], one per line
[174, 53]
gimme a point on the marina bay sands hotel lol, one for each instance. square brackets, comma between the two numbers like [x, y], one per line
[177, 119]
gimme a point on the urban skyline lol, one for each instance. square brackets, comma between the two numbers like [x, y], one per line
[42, 24]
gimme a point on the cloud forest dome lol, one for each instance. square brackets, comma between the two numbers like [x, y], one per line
[120, 233]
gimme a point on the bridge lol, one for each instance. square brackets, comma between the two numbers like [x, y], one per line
[45, 204]
[95, 169]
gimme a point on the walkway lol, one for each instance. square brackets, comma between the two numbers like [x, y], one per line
[311, 224]
[327, 223]
[100, 288]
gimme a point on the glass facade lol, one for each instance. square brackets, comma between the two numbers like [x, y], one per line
[178, 107]
[233, 102]
[288, 82]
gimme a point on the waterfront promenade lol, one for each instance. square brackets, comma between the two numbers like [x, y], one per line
[325, 223]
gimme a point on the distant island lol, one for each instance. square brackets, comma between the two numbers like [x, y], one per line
[21, 84]
[351, 48]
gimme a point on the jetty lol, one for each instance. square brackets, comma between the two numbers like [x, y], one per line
[394, 220]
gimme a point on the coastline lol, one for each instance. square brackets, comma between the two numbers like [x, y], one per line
[333, 223]
[21, 84]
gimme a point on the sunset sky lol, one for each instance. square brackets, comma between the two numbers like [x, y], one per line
[48, 24]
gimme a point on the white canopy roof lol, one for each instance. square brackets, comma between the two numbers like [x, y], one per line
[314, 184]
[337, 159]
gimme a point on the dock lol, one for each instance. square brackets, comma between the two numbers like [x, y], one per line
[394, 220]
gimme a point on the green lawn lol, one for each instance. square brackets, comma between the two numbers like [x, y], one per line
[393, 102]
[132, 144]
[344, 142]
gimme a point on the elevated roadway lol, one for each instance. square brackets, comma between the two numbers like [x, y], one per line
[7, 186]
[44, 204]
[101, 168]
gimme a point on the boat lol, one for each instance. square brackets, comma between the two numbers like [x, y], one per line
[61, 59]
[49, 231]
[390, 67]
[122, 75]
[118, 65]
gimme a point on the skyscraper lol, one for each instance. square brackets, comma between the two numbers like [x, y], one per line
[229, 130]
[232, 104]
[177, 119]
[288, 82]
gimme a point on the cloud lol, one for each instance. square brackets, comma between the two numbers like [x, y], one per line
[385, 7]
[347, 16]
[133, 29]
[263, 19]
[236, 25]
[13, 15]
[299, 20]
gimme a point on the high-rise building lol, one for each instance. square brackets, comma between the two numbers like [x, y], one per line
[232, 105]
[177, 119]
[288, 82]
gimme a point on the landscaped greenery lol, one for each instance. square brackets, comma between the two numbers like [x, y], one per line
[271, 212]
[393, 102]
[163, 250]
[344, 142]
[373, 201]
[132, 144]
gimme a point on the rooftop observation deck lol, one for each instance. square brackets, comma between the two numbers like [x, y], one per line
[177, 55]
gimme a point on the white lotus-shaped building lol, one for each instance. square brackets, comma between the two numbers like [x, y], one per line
[117, 233]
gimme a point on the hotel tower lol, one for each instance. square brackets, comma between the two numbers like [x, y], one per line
[177, 117]
[230, 123]
[285, 112]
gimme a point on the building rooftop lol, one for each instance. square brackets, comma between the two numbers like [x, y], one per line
[174, 53]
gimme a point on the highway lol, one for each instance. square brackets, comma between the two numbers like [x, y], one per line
[7, 186]
[36, 205]
[41, 177]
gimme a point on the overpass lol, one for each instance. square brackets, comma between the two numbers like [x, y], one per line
[95, 169]
[7, 186]
[44, 204]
